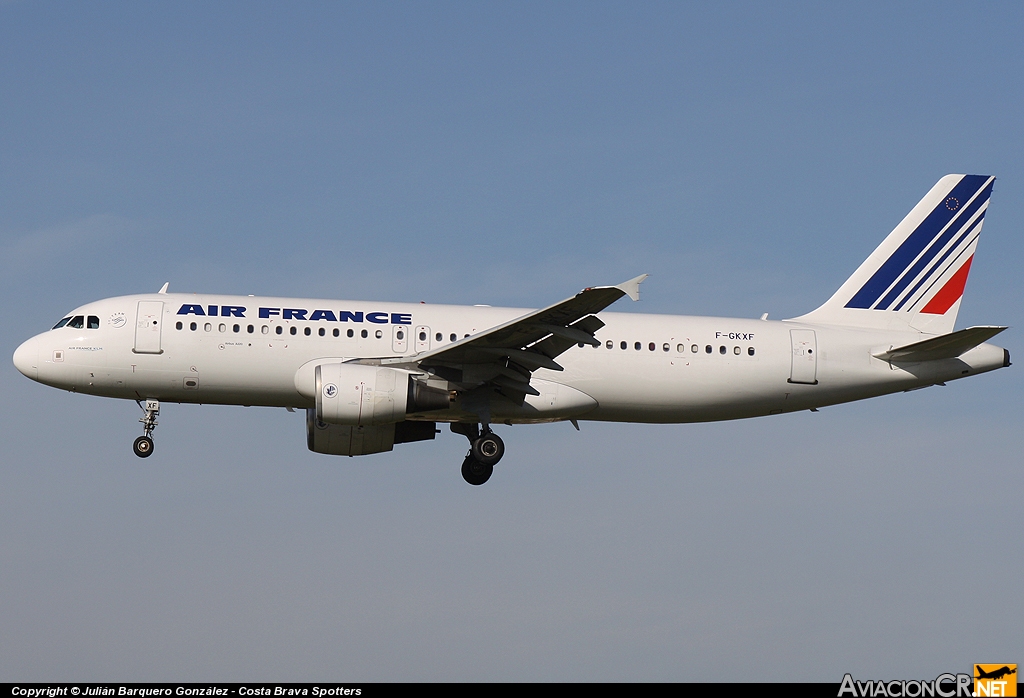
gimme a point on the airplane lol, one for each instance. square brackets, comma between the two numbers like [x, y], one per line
[995, 674]
[371, 375]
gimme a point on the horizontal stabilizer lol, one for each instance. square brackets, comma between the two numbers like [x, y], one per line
[948, 346]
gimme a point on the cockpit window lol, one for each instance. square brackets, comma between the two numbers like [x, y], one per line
[62, 323]
[94, 322]
[77, 322]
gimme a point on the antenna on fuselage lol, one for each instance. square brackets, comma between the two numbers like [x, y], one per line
[163, 289]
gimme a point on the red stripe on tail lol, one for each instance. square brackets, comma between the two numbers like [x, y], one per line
[951, 292]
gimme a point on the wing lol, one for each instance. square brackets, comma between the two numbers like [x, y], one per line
[505, 356]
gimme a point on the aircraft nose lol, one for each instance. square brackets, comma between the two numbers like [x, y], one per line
[26, 358]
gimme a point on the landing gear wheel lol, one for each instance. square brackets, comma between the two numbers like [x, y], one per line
[487, 449]
[475, 472]
[143, 447]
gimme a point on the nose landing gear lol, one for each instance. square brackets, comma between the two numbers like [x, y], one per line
[485, 450]
[143, 445]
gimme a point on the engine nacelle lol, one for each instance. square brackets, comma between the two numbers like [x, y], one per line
[360, 395]
[341, 440]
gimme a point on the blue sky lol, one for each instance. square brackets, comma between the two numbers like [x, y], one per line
[747, 156]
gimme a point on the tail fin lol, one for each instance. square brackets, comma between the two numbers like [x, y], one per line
[915, 278]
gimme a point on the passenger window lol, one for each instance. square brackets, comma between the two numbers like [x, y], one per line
[622, 345]
[650, 347]
[94, 322]
[750, 351]
[178, 325]
[322, 332]
[721, 350]
[306, 331]
[453, 337]
[664, 347]
[236, 328]
[77, 322]
[438, 337]
[736, 351]
[250, 329]
[378, 334]
[279, 329]
[265, 330]
[707, 349]
[350, 333]
[293, 330]
[609, 344]
[222, 328]
[337, 332]
[207, 327]
[364, 334]
[67, 320]
[423, 336]
[680, 348]
[400, 335]
[637, 346]
[192, 326]
[694, 348]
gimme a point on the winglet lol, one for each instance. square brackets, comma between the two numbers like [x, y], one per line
[632, 287]
[163, 289]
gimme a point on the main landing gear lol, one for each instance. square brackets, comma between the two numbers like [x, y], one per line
[143, 445]
[485, 450]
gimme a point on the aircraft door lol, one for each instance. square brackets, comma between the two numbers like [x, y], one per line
[148, 323]
[400, 339]
[804, 368]
[422, 339]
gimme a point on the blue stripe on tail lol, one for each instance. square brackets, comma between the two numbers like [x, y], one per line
[962, 216]
[929, 274]
[917, 241]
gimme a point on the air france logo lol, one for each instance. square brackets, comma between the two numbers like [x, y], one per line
[316, 315]
[330, 390]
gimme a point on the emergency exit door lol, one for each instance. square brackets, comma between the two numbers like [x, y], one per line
[804, 368]
[400, 339]
[422, 339]
[148, 325]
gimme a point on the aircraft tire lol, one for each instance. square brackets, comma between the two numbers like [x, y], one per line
[474, 472]
[487, 449]
[143, 447]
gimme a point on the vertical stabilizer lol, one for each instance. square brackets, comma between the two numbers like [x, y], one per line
[915, 278]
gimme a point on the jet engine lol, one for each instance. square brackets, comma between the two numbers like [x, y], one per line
[343, 440]
[363, 396]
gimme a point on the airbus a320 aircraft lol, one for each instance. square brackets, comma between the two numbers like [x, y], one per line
[371, 375]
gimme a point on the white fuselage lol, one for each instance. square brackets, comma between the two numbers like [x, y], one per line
[648, 368]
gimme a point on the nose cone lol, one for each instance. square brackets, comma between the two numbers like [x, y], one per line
[26, 359]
